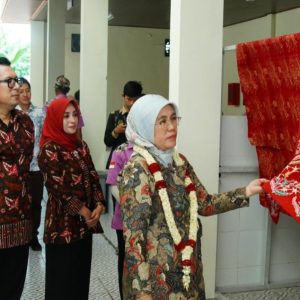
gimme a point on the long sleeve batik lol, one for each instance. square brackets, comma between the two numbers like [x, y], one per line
[152, 264]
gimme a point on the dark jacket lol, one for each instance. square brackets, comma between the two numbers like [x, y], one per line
[110, 141]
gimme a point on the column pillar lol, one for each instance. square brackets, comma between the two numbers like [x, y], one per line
[196, 37]
[93, 72]
[55, 60]
[37, 70]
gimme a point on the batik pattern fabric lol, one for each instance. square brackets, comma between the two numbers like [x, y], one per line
[16, 149]
[37, 116]
[270, 82]
[71, 181]
[152, 264]
[285, 187]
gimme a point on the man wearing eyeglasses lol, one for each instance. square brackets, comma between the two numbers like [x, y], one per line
[16, 150]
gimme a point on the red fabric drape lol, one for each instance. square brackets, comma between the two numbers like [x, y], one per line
[269, 72]
[285, 187]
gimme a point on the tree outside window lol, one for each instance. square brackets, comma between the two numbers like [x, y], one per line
[15, 45]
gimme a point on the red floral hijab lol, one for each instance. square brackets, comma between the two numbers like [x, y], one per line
[53, 125]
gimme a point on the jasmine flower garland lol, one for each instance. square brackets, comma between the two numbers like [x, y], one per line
[185, 247]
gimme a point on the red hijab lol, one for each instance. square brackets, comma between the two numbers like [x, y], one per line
[53, 125]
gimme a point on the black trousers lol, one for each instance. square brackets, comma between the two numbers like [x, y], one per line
[121, 256]
[36, 192]
[13, 267]
[68, 270]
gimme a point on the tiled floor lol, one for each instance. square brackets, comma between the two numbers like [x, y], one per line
[292, 293]
[104, 281]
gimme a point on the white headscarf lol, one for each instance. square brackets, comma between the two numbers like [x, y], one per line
[141, 121]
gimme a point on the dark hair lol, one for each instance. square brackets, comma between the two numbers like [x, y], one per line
[77, 95]
[4, 61]
[24, 80]
[62, 84]
[133, 89]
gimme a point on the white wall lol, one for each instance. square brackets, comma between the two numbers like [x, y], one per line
[288, 22]
[136, 54]
[72, 59]
[37, 73]
[241, 233]
[133, 54]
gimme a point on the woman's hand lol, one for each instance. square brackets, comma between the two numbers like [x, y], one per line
[95, 216]
[85, 212]
[254, 187]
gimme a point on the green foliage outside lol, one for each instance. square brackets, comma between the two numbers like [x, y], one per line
[17, 52]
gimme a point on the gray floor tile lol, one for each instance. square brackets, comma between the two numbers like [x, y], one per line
[104, 278]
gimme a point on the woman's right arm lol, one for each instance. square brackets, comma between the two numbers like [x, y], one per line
[136, 203]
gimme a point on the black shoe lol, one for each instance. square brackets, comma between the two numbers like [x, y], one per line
[35, 245]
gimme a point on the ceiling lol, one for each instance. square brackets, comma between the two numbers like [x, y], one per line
[142, 13]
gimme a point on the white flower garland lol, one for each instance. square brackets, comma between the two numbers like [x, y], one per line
[185, 248]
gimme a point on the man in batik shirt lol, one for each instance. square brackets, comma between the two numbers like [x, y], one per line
[16, 149]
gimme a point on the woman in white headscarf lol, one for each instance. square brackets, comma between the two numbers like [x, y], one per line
[161, 198]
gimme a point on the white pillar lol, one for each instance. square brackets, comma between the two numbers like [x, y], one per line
[196, 36]
[55, 44]
[93, 72]
[37, 70]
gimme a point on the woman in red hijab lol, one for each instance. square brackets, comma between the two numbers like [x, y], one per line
[75, 203]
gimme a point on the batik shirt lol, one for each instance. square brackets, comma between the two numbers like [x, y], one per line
[152, 264]
[72, 182]
[37, 115]
[16, 149]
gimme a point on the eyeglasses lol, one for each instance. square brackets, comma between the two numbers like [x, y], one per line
[11, 82]
[164, 123]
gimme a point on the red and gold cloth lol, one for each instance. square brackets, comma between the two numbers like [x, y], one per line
[270, 82]
[285, 187]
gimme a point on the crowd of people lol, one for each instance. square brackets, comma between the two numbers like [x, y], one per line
[157, 195]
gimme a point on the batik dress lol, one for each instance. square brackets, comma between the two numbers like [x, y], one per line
[71, 181]
[152, 264]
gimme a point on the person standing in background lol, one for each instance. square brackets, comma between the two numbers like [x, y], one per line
[37, 116]
[61, 89]
[61, 86]
[75, 203]
[120, 157]
[161, 198]
[116, 122]
[16, 150]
